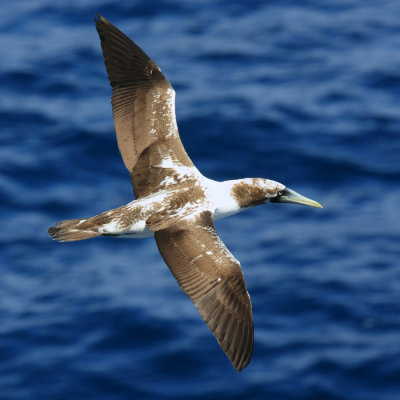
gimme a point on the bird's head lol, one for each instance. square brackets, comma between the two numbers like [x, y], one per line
[251, 192]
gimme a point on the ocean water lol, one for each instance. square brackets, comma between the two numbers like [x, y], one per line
[306, 93]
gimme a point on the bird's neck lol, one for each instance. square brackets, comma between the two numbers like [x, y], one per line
[229, 197]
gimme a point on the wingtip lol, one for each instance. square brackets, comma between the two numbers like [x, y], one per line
[100, 19]
[239, 369]
[243, 363]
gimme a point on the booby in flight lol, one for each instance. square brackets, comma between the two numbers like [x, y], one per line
[174, 202]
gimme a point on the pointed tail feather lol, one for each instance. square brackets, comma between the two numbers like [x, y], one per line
[71, 230]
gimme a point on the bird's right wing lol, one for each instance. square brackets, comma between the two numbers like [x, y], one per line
[209, 274]
[143, 103]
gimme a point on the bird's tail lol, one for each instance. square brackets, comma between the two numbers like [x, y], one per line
[71, 230]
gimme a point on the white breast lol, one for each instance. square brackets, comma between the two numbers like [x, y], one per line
[220, 197]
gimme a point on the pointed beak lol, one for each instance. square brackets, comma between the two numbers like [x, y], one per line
[290, 196]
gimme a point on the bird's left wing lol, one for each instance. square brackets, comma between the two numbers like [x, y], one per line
[143, 103]
[209, 274]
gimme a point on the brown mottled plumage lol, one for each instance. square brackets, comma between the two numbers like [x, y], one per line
[218, 289]
[143, 103]
[174, 202]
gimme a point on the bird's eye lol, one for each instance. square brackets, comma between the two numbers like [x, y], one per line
[280, 193]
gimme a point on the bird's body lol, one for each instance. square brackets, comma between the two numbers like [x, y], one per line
[137, 218]
[174, 202]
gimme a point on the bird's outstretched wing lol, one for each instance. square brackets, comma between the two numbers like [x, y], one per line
[210, 275]
[143, 103]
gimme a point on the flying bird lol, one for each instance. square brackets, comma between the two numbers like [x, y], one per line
[174, 202]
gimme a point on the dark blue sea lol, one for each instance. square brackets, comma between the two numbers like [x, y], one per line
[303, 92]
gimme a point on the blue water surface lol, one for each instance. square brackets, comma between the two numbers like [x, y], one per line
[306, 93]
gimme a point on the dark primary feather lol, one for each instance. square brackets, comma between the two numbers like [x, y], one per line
[209, 274]
[143, 103]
